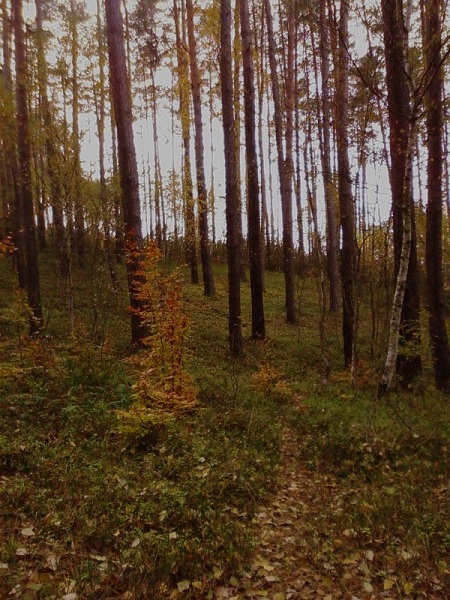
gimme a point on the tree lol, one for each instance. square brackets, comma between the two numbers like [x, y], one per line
[76, 14]
[127, 163]
[50, 149]
[332, 229]
[26, 193]
[434, 112]
[285, 176]
[254, 220]
[346, 203]
[9, 153]
[183, 85]
[232, 201]
[208, 277]
[100, 110]
[401, 120]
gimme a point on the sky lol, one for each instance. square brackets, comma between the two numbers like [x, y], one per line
[377, 192]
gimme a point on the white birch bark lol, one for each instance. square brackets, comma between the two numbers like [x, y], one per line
[400, 286]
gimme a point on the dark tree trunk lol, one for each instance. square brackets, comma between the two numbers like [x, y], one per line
[285, 177]
[232, 202]
[10, 154]
[438, 331]
[346, 205]
[332, 229]
[409, 362]
[24, 148]
[254, 220]
[101, 117]
[208, 278]
[127, 163]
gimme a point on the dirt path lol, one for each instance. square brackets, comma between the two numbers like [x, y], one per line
[282, 568]
[289, 562]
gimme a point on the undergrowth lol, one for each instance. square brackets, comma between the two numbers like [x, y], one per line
[385, 473]
[87, 508]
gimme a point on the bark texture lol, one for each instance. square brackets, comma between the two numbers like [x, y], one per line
[400, 117]
[231, 190]
[284, 175]
[208, 278]
[254, 219]
[26, 193]
[127, 162]
[346, 203]
[434, 104]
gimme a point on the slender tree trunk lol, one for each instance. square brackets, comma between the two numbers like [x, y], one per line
[80, 241]
[254, 220]
[260, 72]
[208, 278]
[434, 96]
[159, 228]
[332, 229]
[10, 153]
[346, 204]
[232, 202]
[401, 284]
[39, 194]
[400, 117]
[51, 151]
[119, 242]
[237, 126]
[285, 175]
[127, 163]
[101, 117]
[183, 85]
[298, 175]
[24, 148]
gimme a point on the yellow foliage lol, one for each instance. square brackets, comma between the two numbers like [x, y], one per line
[6, 246]
[164, 391]
[271, 383]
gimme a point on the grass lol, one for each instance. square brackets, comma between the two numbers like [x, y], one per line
[85, 510]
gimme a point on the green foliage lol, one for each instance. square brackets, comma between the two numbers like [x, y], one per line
[175, 506]
[389, 468]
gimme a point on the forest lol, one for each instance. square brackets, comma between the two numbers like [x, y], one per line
[225, 294]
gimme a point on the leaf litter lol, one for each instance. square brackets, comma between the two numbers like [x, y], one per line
[296, 558]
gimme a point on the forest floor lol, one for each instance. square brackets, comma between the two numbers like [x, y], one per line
[284, 566]
[276, 486]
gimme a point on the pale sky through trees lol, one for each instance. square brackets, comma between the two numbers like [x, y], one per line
[378, 194]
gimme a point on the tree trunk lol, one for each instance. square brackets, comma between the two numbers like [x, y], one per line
[50, 149]
[237, 130]
[260, 73]
[10, 153]
[127, 163]
[101, 117]
[232, 202]
[183, 78]
[434, 97]
[332, 229]
[285, 175]
[80, 241]
[346, 204]
[401, 284]
[24, 148]
[208, 278]
[399, 107]
[254, 220]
